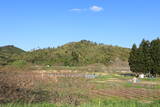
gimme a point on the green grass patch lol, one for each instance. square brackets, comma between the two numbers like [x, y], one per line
[93, 103]
[151, 79]
[141, 86]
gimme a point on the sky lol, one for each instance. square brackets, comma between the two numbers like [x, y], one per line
[30, 24]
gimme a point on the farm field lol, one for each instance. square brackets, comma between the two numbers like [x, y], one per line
[47, 87]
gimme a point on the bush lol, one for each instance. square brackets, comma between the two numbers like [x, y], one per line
[19, 63]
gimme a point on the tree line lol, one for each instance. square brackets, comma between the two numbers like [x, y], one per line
[145, 58]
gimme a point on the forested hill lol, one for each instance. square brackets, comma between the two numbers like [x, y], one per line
[75, 54]
[7, 52]
[10, 49]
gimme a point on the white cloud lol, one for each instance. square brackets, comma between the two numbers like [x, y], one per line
[96, 8]
[76, 9]
[92, 8]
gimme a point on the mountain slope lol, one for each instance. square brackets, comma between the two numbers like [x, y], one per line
[7, 52]
[77, 54]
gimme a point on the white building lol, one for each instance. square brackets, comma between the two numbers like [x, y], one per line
[141, 76]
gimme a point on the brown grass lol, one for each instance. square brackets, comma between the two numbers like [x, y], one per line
[32, 87]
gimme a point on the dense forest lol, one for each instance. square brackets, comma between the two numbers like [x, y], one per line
[71, 54]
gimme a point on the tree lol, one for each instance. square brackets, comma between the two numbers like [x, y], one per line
[133, 59]
[144, 57]
[155, 55]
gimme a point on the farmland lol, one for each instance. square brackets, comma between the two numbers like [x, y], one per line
[76, 86]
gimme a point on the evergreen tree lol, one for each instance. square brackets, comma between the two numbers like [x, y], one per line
[144, 57]
[155, 55]
[133, 59]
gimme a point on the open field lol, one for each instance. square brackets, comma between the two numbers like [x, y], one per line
[48, 87]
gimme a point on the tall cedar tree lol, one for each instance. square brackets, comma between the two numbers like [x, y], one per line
[133, 59]
[155, 55]
[144, 57]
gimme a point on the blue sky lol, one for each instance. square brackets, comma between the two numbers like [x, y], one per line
[31, 24]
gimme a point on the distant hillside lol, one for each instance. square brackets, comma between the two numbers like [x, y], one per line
[10, 49]
[77, 54]
[7, 52]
